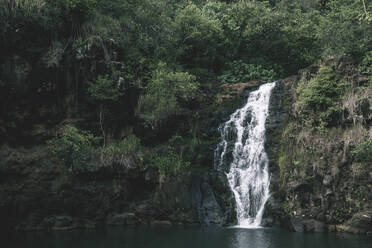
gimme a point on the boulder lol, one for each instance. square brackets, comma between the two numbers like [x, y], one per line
[267, 222]
[63, 221]
[122, 219]
[307, 225]
[361, 222]
[161, 223]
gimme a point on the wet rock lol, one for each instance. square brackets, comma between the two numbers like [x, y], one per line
[361, 220]
[298, 225]
[267, 222]
[307, 225]
[122, 219]
[161, 223]
[86, 224]
[63, 221]
[210, 208]
[204, 201]
[231, 91]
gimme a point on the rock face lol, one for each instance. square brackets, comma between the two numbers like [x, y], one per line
[50, 197]
[307, 225]
[278, 114]
[122, 219]
[197, 198]
[204, 201]
[316, 184]
[361, 222]
[230, 92]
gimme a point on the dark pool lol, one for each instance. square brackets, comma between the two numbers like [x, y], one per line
[184, 237]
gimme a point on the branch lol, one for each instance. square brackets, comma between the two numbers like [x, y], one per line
[101, 116]
[365, 8]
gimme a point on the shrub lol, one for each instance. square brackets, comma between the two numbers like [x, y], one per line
[363, 151]
[164, 95]
[103, 89]
[343, 32]
[79, 150]
[319, 99]
[366, 65]
[28, 5]
[73, 147]
[80, 6]
[170, 164]
[241, 72]
[126, 152]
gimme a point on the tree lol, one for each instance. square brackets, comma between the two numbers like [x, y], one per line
[165, 93]
[199, 33]
[72, 146]
[344, 32]
[103, 90]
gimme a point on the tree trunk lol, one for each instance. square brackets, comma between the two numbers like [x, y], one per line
[101, 120]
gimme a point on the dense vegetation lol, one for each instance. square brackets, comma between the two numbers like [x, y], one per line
[153, 64]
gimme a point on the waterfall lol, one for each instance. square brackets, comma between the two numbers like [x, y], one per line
[242, 148]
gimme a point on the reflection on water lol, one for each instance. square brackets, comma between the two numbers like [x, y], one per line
[184, 237]
[255, 237]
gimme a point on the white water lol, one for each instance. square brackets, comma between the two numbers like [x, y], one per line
[244, 136]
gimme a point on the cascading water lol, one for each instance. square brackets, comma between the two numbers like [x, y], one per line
[243, 137]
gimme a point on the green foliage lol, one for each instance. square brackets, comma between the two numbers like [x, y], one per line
[363, 151]
[27, 5]
[172, 161]
[165, 94]
[342, 31]
[170, 164]
[128, 146]
[80, 6]
[241, 72]
[199, 30]
[79, 151]
[319, 98]
[127, 152]
[79, 39]
[72, 4]
[270, 36]
[366, 65]
[72, 146]
[103, 89]
[287, 209]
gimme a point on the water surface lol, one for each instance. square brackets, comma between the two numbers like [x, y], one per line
[184, 237]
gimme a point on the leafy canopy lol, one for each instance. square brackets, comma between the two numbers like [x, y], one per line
[165, 94]
[319, 98]
[241, 72]
[103, 89]
[72, 146]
